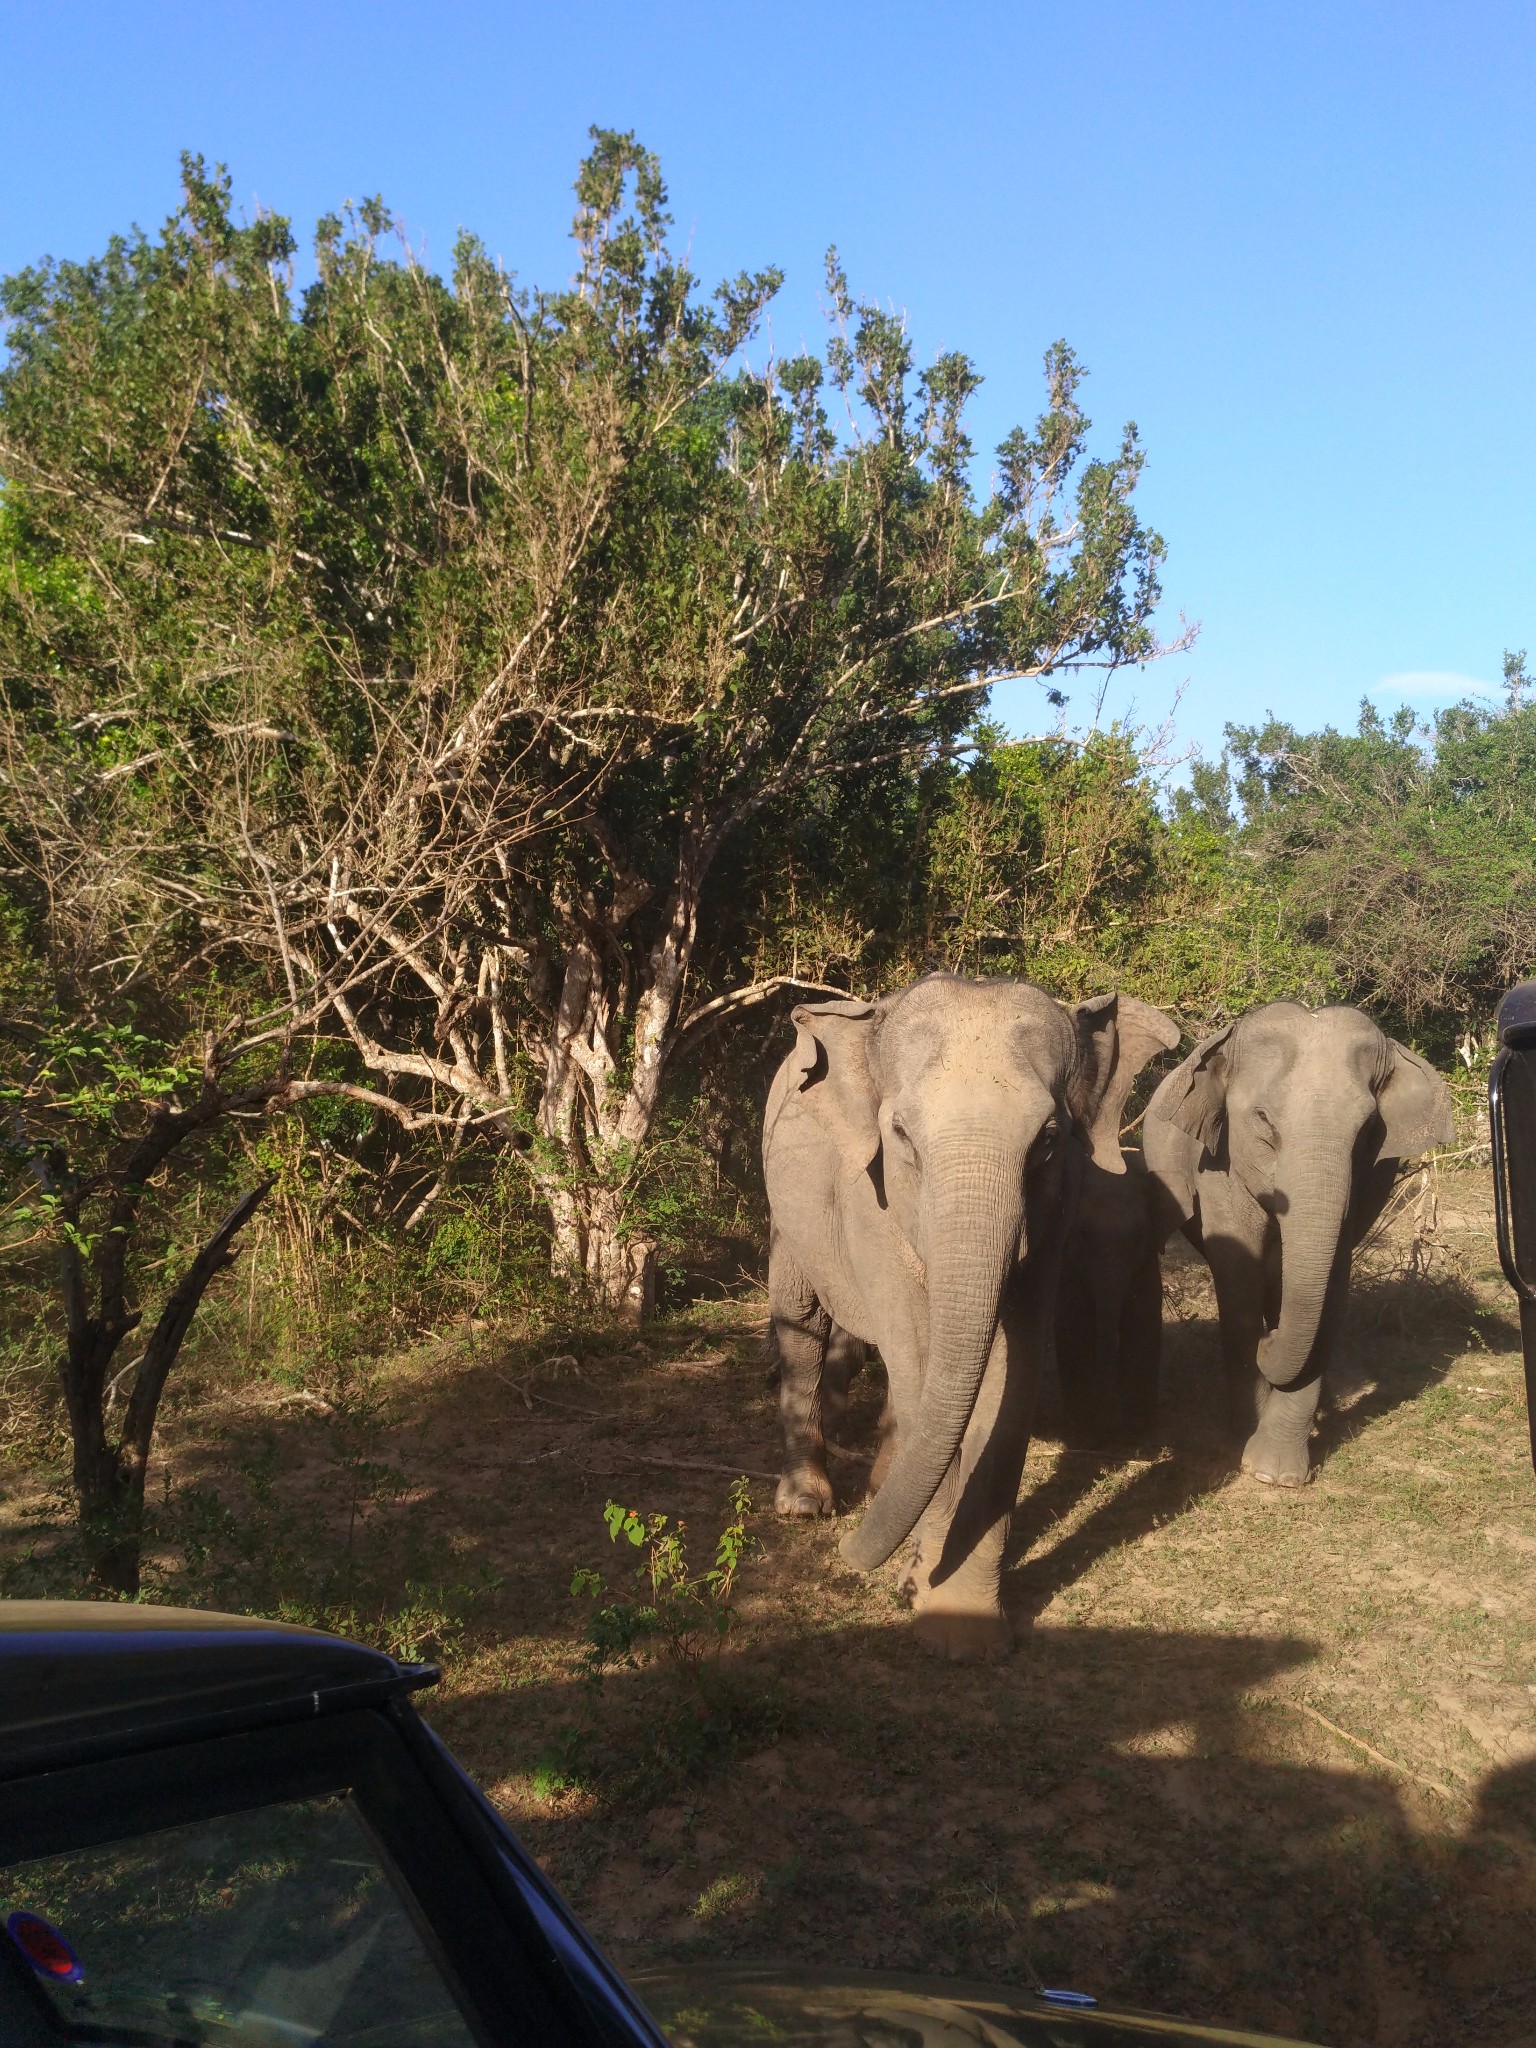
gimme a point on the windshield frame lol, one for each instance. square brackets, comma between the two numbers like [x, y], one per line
[503, 1985]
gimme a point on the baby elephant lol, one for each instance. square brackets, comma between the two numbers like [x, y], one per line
[1275, 1146]
[1109, 1311]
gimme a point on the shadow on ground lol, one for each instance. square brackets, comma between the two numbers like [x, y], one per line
[1145, 1811]
[1097, 1811]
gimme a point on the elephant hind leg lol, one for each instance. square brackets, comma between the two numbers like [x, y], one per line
[1238, 1271]
[800, 1328]
[843, 1363]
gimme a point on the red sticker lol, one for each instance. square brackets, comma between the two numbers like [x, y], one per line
[44, 1948]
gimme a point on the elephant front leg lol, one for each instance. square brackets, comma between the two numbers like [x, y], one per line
[956, 1581]
[1087, 1339]
[800, 1328]
[1278, 1451]
[958, 1613]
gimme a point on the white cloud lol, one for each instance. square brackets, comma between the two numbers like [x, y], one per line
[1438, 683]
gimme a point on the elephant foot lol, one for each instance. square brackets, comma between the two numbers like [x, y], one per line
[963, 1637]
[1276, 1465]
[804, 1493]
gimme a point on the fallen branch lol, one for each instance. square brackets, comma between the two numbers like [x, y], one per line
[1358, 1742]
[696, 1465]
[538, 1393]
[849, 1457]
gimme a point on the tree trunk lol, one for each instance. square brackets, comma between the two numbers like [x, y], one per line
[109, 1478]
[599, 1124]
[568, 1240]
[621, 1270]
[591, 1250]
[111, 1505]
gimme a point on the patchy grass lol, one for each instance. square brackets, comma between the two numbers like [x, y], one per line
[1262, 1757]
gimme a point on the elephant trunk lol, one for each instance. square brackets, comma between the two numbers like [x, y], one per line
[974, 1196]
[1310, 1232]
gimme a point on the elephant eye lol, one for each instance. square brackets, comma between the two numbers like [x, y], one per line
[899, 1130]
[1268, 1130]
[1044, 1145]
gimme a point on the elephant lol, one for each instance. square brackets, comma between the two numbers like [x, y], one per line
[1274, 1147]
[1109, 1311]
[921, 1155]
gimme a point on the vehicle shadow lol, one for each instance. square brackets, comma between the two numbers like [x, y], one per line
[1147, 1815]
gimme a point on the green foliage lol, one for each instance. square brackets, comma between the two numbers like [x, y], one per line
[1041, 857]
[466, 701]
[675, 1619]
[272, 566]
[1406, 854]
[684, 1616]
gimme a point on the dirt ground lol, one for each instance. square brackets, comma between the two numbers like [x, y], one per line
[1265, 1758]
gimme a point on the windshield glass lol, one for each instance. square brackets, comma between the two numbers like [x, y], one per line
[275, 1926]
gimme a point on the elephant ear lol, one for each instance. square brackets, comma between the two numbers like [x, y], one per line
[832, 1054]
[1194, 1097]
[1117, 1035]
[1414, 1105]
[1093, 1024]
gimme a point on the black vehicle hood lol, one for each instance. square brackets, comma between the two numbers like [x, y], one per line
[766, 2006]
[81, 1677]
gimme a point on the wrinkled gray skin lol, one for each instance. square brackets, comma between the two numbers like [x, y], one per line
[1109, 1308]
[921, 1156]
[1275, 1145]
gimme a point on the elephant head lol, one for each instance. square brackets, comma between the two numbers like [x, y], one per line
[967, 1105]
[1300, 1106]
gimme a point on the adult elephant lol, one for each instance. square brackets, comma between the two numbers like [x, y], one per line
[1109, 1312]
[1275, 1145]
[922, 1154]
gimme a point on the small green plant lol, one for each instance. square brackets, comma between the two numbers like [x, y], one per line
[687, 1615]
[675, 1620]
[737, 1894]
[562, 1765]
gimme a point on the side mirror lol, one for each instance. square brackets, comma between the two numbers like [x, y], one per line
[1512, 1128]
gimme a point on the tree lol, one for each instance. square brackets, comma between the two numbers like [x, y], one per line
[449, 646]
[1043, 849]
[170, 757]
[119, 1072]
[1403, 853]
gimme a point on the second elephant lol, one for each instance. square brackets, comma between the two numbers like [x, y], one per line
[1109, 1307]
[1275, 1145]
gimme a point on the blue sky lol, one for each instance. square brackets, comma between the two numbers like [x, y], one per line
[1294, 242]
